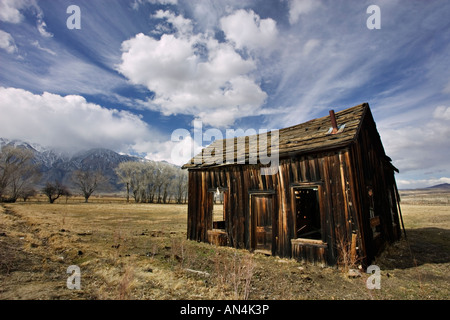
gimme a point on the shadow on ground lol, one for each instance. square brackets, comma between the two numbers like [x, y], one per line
[421, 246]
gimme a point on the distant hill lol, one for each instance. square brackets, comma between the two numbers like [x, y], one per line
[60, 166]
[440, 186]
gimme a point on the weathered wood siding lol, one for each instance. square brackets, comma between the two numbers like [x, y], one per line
[372, 169]
[328, 170]
[343, 177]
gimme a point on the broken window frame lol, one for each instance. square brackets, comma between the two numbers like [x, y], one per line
[218, 224]
[318, 188]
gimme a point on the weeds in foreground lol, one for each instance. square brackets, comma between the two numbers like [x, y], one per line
[124, 288]
[234, 274]
[347, 255]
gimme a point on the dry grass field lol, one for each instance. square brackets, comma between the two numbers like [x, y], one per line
[140, 251]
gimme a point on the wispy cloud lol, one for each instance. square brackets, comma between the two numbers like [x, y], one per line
[242, 63]
[37, 45]
[301, 7]
[7, 42]
[11, 11]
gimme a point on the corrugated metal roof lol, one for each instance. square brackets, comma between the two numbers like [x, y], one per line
[313, 135]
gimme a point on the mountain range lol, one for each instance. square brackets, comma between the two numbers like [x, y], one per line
[441, 186]
[60, 166]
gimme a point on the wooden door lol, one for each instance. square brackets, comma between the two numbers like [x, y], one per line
[262, 213]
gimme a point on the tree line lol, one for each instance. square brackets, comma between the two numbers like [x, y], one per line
[153, 182]
[146, 182]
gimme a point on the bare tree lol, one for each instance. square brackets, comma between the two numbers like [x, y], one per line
[88, 181]
[136, 180]
[148, 182]
[131, 173]
[180, 185]
[168, 174]
[55, 190]
[17, 172]
[26, 193]
[124, 172]
[152, 181]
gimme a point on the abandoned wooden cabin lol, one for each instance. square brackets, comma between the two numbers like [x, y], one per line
[334, 192]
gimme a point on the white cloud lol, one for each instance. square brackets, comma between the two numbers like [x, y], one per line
[7, 42]
[247, 30]
[309, 46]
[176, 152]
[69, 122]
[442, 112]
[37, 45]
[10, 10]
[421, 145]
[183, 25]
[192, 74]
[42, 28]
[299, 7]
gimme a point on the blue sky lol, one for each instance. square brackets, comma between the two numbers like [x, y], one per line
[138, 70]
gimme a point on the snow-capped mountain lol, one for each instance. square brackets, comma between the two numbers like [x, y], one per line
[60, 166]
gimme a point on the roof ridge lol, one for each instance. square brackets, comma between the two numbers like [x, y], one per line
[303, 137]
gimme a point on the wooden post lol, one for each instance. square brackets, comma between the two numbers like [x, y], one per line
[353, 249]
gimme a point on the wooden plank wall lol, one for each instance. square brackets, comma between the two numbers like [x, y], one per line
[330, 169]
[372, 170]
[343, 175]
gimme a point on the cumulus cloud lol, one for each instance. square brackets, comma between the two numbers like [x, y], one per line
[181, 24]
[177, 151]
[7, 42]
[247, 30]
[69, 122]
[192, 74]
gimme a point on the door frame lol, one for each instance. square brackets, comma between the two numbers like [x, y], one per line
[251, 222]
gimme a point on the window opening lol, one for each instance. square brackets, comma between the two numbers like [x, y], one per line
[308, 222]
[218, 210]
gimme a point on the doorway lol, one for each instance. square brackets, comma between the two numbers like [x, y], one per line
[262, 208]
